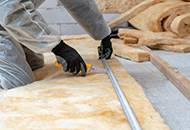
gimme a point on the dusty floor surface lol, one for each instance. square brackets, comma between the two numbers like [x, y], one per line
[165, 97]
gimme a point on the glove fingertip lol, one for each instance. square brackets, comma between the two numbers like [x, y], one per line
[83, 69]
[77, 69]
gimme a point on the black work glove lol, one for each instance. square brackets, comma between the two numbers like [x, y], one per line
[69, 58]
[114, 33]
[106, 48]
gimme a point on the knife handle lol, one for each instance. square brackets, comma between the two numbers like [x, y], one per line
[60, 65]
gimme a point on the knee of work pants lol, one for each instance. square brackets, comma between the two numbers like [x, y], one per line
[35, 60]
[14, 69]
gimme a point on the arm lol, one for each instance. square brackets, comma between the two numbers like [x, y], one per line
[89, 17]
[27, 26]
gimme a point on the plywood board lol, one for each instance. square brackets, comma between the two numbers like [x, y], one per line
[60, 101]
[116, 6]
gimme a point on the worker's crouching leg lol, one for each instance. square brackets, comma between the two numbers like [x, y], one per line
[14, 69]
[35, 60]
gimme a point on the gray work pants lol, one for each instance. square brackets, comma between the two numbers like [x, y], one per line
[16, 62]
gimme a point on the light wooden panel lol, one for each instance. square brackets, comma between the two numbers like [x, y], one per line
[116, 6]
[59, 100]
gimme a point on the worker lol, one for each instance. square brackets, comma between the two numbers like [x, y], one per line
[24, 36]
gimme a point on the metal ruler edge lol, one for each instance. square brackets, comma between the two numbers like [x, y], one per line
[124, 103]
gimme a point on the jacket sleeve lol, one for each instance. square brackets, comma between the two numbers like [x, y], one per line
[88, 16]
[37, 3]
[27, 26]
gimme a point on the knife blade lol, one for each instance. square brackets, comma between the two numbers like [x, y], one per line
[90, 68]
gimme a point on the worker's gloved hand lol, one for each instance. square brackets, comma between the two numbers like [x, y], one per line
[114, 33]
[106, 48]
[69, 58]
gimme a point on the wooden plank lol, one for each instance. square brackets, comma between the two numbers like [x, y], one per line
[132, 12]
[181, 82]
